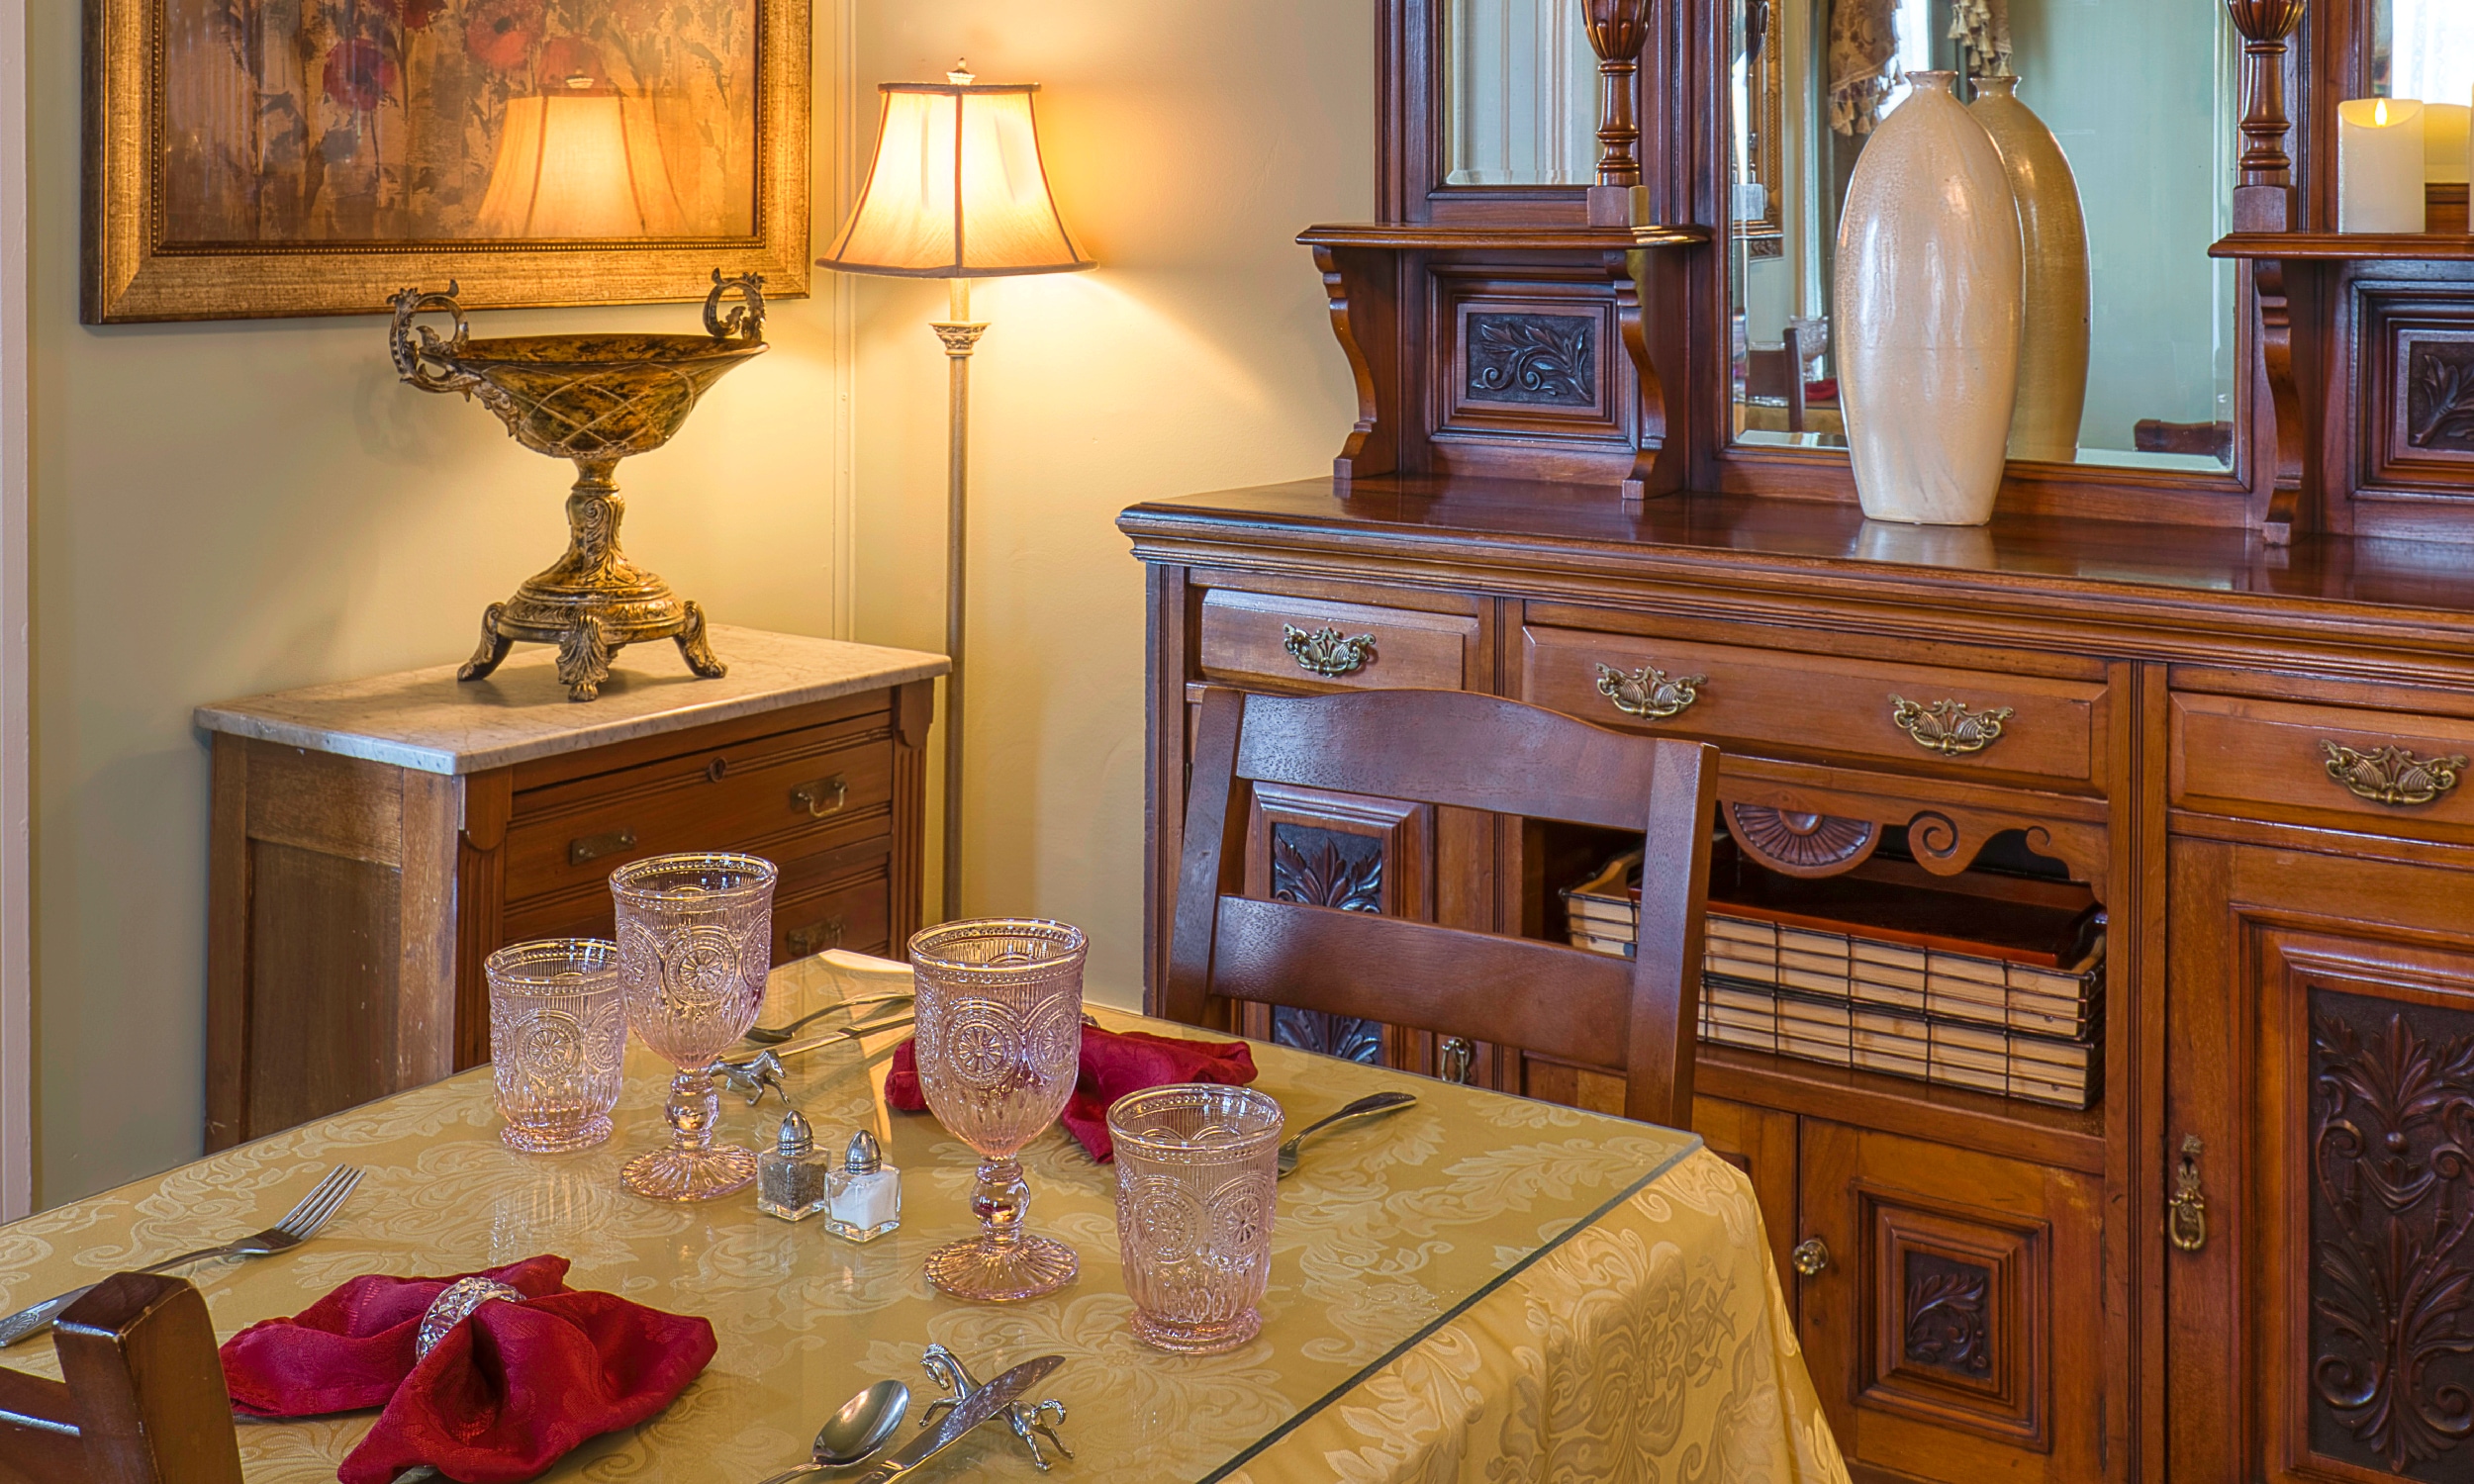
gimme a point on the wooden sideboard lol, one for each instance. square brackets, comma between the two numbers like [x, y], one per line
[373, 841]
[2291, 953]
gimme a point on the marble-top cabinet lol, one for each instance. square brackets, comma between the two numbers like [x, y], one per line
[374, 840]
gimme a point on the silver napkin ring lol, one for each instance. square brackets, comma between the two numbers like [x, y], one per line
[453, 1305]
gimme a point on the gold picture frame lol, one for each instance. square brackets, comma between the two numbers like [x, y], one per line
[339, 76]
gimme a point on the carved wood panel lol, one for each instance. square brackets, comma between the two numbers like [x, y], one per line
[2416, 428]
[1956, 1333]
[2364, 1153]
[2392, 1295]
[1352, 854]
[1529, 352]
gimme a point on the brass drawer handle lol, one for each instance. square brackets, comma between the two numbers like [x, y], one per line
[1647, 692]
[586, 848]
[813, 797]
[1947, 726]
[1460, 1059]
[2186, 1215]
[815, 938]
[2392, 775]
[1811, 1256]
[1324, 652]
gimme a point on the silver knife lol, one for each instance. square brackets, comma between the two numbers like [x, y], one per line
[989, 1400]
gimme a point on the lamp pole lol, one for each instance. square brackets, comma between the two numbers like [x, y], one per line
[961, 336]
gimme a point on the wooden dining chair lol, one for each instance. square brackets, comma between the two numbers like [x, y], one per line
[1454, 750]
[142, 1400]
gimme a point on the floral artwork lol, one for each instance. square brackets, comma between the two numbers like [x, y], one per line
[390, 122]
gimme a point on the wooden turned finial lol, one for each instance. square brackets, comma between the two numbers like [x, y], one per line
[1617, 29]
[2265, 25]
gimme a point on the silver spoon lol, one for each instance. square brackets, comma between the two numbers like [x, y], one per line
[862, 1427]
[776, 1035]
[1364, 1107]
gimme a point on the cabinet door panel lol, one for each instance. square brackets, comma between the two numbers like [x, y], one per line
[2324, 1035]
[1760, 1142]
[1957, 1332]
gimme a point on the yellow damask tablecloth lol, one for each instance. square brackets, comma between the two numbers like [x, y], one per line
[1480, 1288]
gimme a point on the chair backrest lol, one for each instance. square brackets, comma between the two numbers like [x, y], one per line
[1457, 751]
[143, 1399]
[1778, 371]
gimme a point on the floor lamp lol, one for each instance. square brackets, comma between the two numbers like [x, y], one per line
[957, 192]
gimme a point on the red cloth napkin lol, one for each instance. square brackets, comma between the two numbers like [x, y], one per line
[1114, 1064]
[502, 1397]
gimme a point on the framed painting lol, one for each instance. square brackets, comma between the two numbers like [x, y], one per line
[255, 158]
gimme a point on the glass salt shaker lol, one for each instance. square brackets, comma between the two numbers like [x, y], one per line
[792, 1179]
[866, 1200]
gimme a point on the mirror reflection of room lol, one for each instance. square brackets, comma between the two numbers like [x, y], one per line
[1812, 80]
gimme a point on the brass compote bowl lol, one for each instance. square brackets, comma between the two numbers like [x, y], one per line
[594, 399]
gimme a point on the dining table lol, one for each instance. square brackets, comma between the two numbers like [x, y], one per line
[1479, 1287]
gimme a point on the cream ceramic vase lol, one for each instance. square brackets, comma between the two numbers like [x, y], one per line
[1929, 289]
[2052, 233]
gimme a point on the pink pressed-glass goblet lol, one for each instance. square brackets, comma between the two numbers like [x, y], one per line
[694, 942]
[999, 1048]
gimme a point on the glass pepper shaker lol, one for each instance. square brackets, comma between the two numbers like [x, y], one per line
[866, 1202]
[792, 1180]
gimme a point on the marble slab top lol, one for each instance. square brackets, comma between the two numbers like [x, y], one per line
[430, 721]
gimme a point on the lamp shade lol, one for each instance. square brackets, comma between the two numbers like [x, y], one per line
[579, 164]
[957, 189]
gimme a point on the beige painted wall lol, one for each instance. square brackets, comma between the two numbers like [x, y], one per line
[1189, 141]
[228, 509]
[220, 509]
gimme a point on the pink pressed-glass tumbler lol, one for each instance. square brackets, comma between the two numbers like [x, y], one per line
[558, 1036]
[1197, 1172]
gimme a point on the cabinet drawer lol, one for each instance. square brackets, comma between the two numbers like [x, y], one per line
[2390, 772]
[1256, 638]
[783, 797]
[1760, 699]
[852, 912]
[844, 900]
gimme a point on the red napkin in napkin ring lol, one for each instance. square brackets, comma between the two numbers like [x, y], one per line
[496, 1395]
[1114, 1064]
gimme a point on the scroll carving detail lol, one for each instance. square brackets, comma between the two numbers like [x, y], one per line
[1801, 843]
[1946, 1314]
[2440, 395]
[2392, 1232]
[1545, 359]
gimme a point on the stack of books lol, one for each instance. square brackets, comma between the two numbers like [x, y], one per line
[1868, 973]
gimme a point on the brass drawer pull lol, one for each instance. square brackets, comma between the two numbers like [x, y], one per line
[2392, 775]
[1947, 726]
[1460, 1059]
[813, 797]
[587, 848]
[2186, 1215]
[1647, 692]
[1811, 1256]
[1324, 652]
[815, 938]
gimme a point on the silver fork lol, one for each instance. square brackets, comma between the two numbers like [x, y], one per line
[298, 1226]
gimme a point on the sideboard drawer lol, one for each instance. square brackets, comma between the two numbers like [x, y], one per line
[783, 798]
[2388, 772]
[1819, 704]
[841, 900]
[1252, 638]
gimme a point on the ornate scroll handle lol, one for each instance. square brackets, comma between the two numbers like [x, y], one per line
[2186, 1215]
[1647, 692]
[414, 357]
[1324, 652]
[2392, 775]
[744, 321]
[1947, 726]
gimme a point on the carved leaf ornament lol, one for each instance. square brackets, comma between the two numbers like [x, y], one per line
[2392, 1261]
[1536, 358]
[1321, 873]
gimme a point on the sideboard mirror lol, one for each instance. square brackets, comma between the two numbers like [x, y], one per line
[2141, 98]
